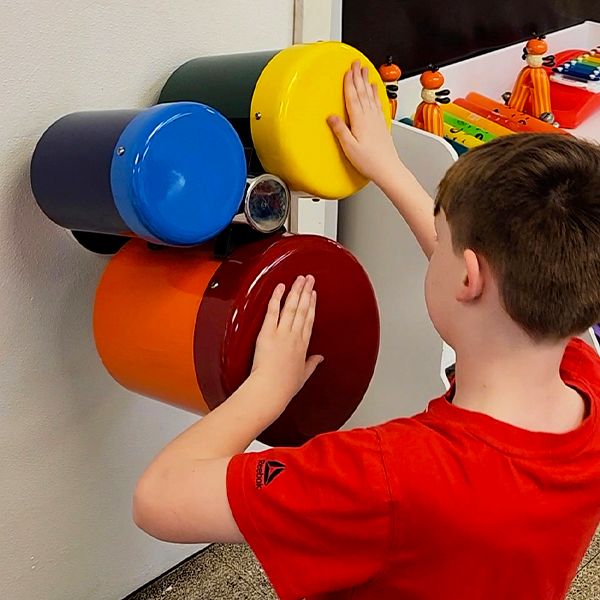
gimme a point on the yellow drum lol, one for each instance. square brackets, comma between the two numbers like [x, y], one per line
[279, 103]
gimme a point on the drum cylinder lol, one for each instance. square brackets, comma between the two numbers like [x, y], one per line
[180, 325]
[226, 82]
[279, 103]
[172, 174]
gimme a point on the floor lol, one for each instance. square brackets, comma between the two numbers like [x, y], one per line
[232, 572]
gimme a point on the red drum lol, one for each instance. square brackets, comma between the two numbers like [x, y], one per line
[180, 325]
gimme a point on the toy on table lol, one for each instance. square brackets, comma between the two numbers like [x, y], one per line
[531, 92]
[579, 70]
[575, 97]
[390, 74]
[467, 127]
[457, 134]
[466, 113]
[508, 117]
[429, 115]
[584, 67]
[459, 140]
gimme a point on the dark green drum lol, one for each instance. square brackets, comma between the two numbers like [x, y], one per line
[226, 83]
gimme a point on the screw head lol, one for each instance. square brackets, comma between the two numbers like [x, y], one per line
[120, 151]
[257, 116]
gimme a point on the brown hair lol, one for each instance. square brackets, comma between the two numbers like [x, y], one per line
[530, 205]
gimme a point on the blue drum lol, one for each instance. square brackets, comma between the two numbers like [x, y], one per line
[173, 174]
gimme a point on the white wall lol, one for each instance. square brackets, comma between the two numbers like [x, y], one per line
[72, 442]
[315, 20]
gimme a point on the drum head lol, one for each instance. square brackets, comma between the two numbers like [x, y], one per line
[178, 173]
[346, 330]
[297, 90]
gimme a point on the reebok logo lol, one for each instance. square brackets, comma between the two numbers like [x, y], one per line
[267, 471]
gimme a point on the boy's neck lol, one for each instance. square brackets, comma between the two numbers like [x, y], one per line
[518, 382]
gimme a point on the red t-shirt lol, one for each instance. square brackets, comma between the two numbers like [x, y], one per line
[448, 504]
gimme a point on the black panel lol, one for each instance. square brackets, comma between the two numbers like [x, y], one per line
[421, 32]
[100, 243]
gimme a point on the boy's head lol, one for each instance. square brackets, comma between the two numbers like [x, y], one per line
[519, 218]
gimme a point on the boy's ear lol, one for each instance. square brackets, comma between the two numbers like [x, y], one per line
[472, 285]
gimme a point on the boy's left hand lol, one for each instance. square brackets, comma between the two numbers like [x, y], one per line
[280, 356]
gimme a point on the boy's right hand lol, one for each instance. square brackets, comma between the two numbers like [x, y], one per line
[367, 142]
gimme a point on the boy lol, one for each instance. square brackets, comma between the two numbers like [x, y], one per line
[494, 491]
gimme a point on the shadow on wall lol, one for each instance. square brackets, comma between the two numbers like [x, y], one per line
[67, 414]
[58, 279]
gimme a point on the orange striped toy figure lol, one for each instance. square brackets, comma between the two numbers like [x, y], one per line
[429, 115]
[531, 93]
[390, 74]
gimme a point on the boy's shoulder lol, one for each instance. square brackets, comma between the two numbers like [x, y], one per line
[442, 426]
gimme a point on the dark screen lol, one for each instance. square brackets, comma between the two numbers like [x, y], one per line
[421, 32]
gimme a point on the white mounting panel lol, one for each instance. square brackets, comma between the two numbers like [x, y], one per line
[316, 20]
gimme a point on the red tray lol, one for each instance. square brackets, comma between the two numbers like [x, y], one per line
[571, 105]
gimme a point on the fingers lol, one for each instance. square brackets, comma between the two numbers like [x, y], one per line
[304, 304]
[298, 313]
[311, 365]
[376, 98]
[359, 83]
[273, 309]
[368, 87]
[310, 317]
[360, 94]
[342, 132]
[353, 105]
[288, 312]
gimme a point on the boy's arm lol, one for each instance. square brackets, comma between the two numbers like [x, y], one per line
[182, 496]
[369, 146]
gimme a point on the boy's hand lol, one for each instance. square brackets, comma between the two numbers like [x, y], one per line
[280, 357]
[182, 496]
[367, 143]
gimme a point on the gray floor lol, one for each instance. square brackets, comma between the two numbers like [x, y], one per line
[231, 571]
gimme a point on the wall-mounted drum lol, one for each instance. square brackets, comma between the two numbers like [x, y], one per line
[279, 103]
[180, 325]
[172, 174]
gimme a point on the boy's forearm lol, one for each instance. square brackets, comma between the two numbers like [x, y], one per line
[413, 203]
[182, 495]
[231, 427]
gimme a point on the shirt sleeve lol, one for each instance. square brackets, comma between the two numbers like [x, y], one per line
[318, 517]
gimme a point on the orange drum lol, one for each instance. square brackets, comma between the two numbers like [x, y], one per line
[144, 320]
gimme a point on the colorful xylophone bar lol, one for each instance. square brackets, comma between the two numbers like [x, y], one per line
[575, 86]
[584, 67]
